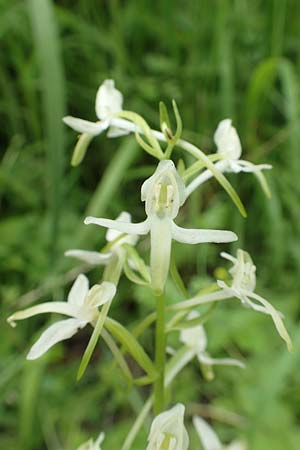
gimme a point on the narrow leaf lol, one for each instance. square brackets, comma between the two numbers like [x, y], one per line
[131, 344]
[93, 341]
[80, 149]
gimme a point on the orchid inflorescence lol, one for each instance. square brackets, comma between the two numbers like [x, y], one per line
[163, 193]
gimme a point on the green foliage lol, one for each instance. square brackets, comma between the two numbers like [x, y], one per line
[216, 59]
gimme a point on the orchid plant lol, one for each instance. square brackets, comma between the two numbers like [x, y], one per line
[164, 193]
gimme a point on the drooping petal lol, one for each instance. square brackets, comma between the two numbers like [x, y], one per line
[109, 100]
[275, 316]
[93, 258]
[124, 227]
[198, 236]
[227, 139]
[249, 167]
[59, 331]
[206, 359]
[208, 437]
[259, 308]
[85, 126]
[161, 239]
[78, 291]
[48, 307]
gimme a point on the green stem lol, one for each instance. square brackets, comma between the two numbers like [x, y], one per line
[160, 354]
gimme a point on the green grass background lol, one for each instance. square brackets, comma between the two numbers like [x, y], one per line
[218, 59]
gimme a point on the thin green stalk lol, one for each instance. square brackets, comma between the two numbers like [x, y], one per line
[112, 273]
[160, 354]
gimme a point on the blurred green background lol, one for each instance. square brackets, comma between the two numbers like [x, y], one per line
[218, 59]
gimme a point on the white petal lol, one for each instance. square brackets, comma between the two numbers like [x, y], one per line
[229, 257]
[124, 227]
[48, 307]
[89, 445]
[109, 100]
[78, 290]
[194, 337]
[59, 331]
[207, 360]
[200, 179]
[237, 445]
[275, 316]
[169, 424]
[247, 166]
[198, 236]
[186, 355]
[85, 126]
[99, 441]
[227, 140]
[249, 304]
[93, 258]
[111, 234]
[208, 437]
[202, 299]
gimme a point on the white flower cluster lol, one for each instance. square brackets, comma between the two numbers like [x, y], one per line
[163, 193]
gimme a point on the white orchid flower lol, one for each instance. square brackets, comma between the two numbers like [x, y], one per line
[115, 240]
[195, 339]
[91, 445]
[109, 102]
[168, 431]
[242, 287]
[82, 305]
[163, 194]
[210, 440]
[229, 146]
